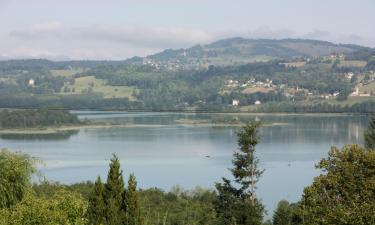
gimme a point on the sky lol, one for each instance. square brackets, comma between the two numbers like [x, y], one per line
[120, 29]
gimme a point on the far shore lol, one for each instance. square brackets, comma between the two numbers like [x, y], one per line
[65, 128]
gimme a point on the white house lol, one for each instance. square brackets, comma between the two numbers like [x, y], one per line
[31, 82]
[235, 102]
[356, 92]
[257, 102]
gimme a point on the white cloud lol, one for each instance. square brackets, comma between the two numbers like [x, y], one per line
[29, 52]
[54, 40]
[136, 35]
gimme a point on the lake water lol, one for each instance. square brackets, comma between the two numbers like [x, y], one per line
[163, 152]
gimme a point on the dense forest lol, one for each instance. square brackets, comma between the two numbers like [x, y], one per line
[36, 118]
[282, 75]
[344, 193]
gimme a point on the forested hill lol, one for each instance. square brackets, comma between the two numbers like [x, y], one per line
[241, 50]
[229, 75]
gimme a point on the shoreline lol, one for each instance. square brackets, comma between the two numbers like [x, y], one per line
[67, 128]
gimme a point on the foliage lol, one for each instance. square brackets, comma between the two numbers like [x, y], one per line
[177, 206]
[283, 213]
[131, 201]
[15, 174]
[370, 135]
[62, 208]
[240, 205]
[36, 118]
[96, 205]
[245, 170]
[345, 193]
[113, 193]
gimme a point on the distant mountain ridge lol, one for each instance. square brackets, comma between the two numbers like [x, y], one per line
[231, 50]
[253, 49]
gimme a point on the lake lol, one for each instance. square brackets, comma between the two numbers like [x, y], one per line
[162, 151]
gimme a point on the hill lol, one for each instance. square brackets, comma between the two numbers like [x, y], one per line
[240, 50]
[228, 75]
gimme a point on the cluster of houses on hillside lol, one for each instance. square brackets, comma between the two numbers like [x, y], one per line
[175, 64]
[250, 83]
[236, 102]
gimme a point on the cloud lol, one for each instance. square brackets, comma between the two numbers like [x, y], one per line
[42, 30]
[22, 51]
[317, 34]
[54, 40]
[267, 32]
[135, 35]
[145, 36]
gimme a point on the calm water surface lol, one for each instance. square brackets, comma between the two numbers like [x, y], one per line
[164, 153]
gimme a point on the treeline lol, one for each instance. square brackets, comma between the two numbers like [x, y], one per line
[36, 118]
[295, 107]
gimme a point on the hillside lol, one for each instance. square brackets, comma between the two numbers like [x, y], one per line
[241, 50]
[227, 75]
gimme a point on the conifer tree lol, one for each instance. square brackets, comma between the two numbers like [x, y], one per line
[370, 135]
[238, 204]
[96, 208]
[246, 171]
[283, 214]
[114, 189]
[133, 214]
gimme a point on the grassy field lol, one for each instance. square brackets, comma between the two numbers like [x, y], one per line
[90, 83]
[251, 90]
[352, 63]
[368, 88]
[350, 101]
[295, 64]
[66, 73]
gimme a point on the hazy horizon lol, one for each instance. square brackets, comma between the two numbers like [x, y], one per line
[117, 30]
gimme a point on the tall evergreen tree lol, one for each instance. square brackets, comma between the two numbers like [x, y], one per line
[370, 135]
[239, 205]
[96, 208]
[246, 171]
[283, 214]
[113, 194]
[133, 212]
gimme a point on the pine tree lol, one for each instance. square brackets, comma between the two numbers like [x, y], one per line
[245, 170]
[283, 214]
[133, 214]
[114, 189]
[96, 207]
[370, 135]
[240, 205]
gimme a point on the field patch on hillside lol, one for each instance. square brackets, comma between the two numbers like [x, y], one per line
[66, 72]
[352, 63]
[91, 84]
[251, 90]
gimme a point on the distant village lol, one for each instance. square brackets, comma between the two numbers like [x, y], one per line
[182, 61]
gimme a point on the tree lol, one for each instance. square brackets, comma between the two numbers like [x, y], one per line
[240, 205]
[283, 214]
[132, 208]
[225, 203]
[345, 192]
[370, 135]
[96, 208]
[62, 208]
[113, 193]
[245, 170]
[15, 174]
[344, 93]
